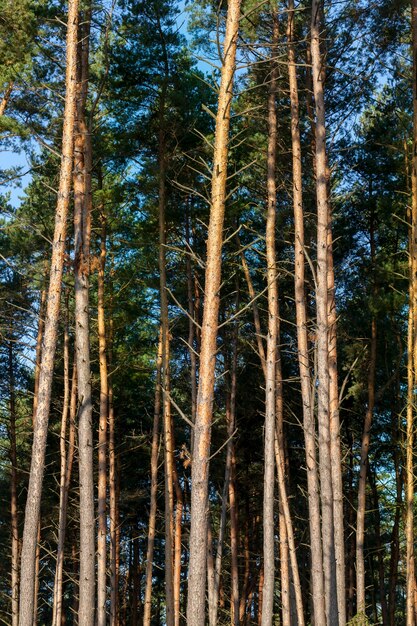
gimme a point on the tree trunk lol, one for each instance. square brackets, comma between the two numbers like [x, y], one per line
[167, 418]
[335, 444]
[82, 228]
[412, 349]
[102, 436]
[302, 340]
[323, 415]
[6, 97]
[154, 489]
[379, 546]
[13, 492]
[360, 518]
[113, 499]
[68, 410]
[202, 430]
[285, 515]
[177, 547]
[271, 349]
[34, 495]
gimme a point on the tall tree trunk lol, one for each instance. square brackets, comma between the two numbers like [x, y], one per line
[412, 348]
[34, 495]
[113, 496]
[102, 435]
[302, 339]
[177, 547]
[271, 348]
[379, 546]
[191, 323]
[395, 538]
[335, 444]
[167, 418]
[154, 489]
[323, 410]
[202, 430]
[13, 491]
[229, 494]
[360, 518]
[63, 465]
[82, 229]
[285, 515]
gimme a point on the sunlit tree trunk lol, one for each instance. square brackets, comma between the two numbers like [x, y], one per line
[82, 230]
[271, 349]
[202, 430]
[34, 495]
[6, 97]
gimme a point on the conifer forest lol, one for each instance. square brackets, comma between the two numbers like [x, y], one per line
[208, 312]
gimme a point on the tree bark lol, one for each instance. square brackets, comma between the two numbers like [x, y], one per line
[34, 495]
[82, 228]
[335, 444]
[13, 491]
[323, 409]
[6, 97]
[102, 435]
[202, 430]
[113, 496]
[412, 349]
[67, 457]
[154, 489]
[271, 348]
[360, 517]
[302, 338]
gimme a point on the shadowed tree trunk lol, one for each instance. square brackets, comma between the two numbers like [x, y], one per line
[154, 488]
[302, 339]
[67, 456]
[13, 490]
[322, 308]
[412, 349]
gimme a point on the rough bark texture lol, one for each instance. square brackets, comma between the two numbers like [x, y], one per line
[412, 348]
[34, 495]
[67, 457]
[82, 227]
[286, 525]
[335, 445]
[323, 416]
[360, 519]
[13, 492]
[317, 579]
[154, 488]
[102, 435]
[6, 97]
[271, 351]
[202, 430]
[113, 504]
